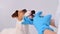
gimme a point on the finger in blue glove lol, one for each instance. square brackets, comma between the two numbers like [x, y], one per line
[27, 20]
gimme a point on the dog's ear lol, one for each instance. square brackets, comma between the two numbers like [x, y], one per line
[24, 10]
[15, 14]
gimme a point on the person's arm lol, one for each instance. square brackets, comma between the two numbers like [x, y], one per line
[52, 23]
[49, 32]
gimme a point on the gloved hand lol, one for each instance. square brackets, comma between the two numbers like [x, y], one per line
[28, 20]
[41, 23]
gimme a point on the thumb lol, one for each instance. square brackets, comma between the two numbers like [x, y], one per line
[38, 13]
[48, 17]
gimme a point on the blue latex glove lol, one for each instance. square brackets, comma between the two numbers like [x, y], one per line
[41, 23]
[27, 20]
